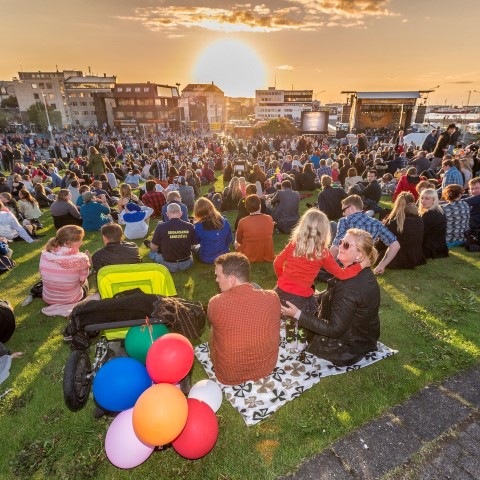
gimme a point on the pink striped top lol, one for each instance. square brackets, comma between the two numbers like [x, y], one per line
[63, 273]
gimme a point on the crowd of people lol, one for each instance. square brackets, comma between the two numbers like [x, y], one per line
[118, 184]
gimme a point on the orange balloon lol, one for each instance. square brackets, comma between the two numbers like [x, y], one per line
[160, 414]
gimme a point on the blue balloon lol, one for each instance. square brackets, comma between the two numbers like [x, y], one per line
[119, 383]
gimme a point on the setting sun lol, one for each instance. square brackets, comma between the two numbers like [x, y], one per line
[233, 66]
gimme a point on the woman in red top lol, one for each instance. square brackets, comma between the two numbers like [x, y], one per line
[298, 265]
[408, 183]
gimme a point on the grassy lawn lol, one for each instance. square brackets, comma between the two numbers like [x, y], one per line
[431, 315]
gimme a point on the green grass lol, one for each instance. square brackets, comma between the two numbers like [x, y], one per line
[430, 315]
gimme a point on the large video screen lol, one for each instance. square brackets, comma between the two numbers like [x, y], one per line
[314, 122]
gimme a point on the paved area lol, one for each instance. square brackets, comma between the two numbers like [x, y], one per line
[434, 435]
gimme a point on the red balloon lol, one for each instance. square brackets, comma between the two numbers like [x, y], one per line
[200, 432]
[170, 358]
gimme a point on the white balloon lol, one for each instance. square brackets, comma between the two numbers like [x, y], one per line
[209, 392]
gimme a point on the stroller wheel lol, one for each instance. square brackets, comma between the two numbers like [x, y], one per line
[76, 384]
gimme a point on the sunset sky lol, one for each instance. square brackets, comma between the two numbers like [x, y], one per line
[330, 45]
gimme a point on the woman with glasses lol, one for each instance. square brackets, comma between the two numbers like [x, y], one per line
[346, 325]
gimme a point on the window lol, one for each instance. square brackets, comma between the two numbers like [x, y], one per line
[41, 85]
[75, 112]
[53, 105]
[120, 115]
[92, 104]
[74, 104]
[145, 101]
[83, 104]
[119, 89]
[36, 96]
[149, 115]
[128, 89]
[51, 96]
[146, 89]
[49, 86]
[138, 89]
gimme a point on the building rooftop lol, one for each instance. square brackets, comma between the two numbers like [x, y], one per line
[377, 95]
[202, 87]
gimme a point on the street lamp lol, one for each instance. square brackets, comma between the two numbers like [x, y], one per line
[179, 111]
[50, 129]
[318, 93]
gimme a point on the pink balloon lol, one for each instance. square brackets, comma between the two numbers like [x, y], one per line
[123, 448]
[200, 433]
[170, 358]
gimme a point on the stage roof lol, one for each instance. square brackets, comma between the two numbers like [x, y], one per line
[378, 95]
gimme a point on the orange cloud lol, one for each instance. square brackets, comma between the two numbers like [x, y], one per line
[306, 14]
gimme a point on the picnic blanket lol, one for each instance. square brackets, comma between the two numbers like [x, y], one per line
[293, 375]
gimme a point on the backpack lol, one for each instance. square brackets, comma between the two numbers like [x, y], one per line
[7, 321]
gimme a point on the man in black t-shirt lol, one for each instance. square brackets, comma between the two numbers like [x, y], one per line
[172, 241]
[115, 251]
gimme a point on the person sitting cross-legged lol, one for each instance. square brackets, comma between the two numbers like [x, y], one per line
[245, 319]
[116, 251]
[171, 245]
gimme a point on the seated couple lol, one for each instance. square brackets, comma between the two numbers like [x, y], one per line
[245, 320]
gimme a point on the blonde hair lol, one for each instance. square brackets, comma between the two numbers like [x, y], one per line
[364, 243]
[404, 204]
[311, 235]
[234, 188]
[432, 194]
[65, 235]
[125, 190]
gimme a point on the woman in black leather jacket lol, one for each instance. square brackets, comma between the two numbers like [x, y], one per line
[346, 325]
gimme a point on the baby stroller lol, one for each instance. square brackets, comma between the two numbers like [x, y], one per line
[103, 325]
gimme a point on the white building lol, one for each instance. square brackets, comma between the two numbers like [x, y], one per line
[80, 97]
[30, 85]
[273, 103]
[69, 92]
[203, 103]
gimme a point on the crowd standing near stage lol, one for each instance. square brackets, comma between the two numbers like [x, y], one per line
[109, 182]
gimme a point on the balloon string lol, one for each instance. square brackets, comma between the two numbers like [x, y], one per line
[149, 326]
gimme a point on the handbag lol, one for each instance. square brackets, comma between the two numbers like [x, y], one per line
[6, 264]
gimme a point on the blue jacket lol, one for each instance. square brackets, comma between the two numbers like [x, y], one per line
[213, 243]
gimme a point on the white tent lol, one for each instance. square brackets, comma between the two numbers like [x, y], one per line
[416, 138]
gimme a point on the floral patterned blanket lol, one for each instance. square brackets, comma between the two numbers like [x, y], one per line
[293, 375]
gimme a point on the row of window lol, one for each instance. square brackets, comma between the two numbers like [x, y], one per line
[84, 113]
[82, 104]
[135, 89]
[79, 94]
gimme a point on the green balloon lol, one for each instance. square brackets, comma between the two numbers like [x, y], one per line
[139, 340]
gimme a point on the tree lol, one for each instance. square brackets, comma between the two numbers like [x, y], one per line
[36, 114]
[9, 102]
[278, 126]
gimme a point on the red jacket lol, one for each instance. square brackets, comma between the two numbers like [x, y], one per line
[404, 185]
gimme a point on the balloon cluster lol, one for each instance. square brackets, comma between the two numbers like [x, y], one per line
[144, 388]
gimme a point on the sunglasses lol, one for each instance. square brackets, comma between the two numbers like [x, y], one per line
[344, 209]
[345, 245]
